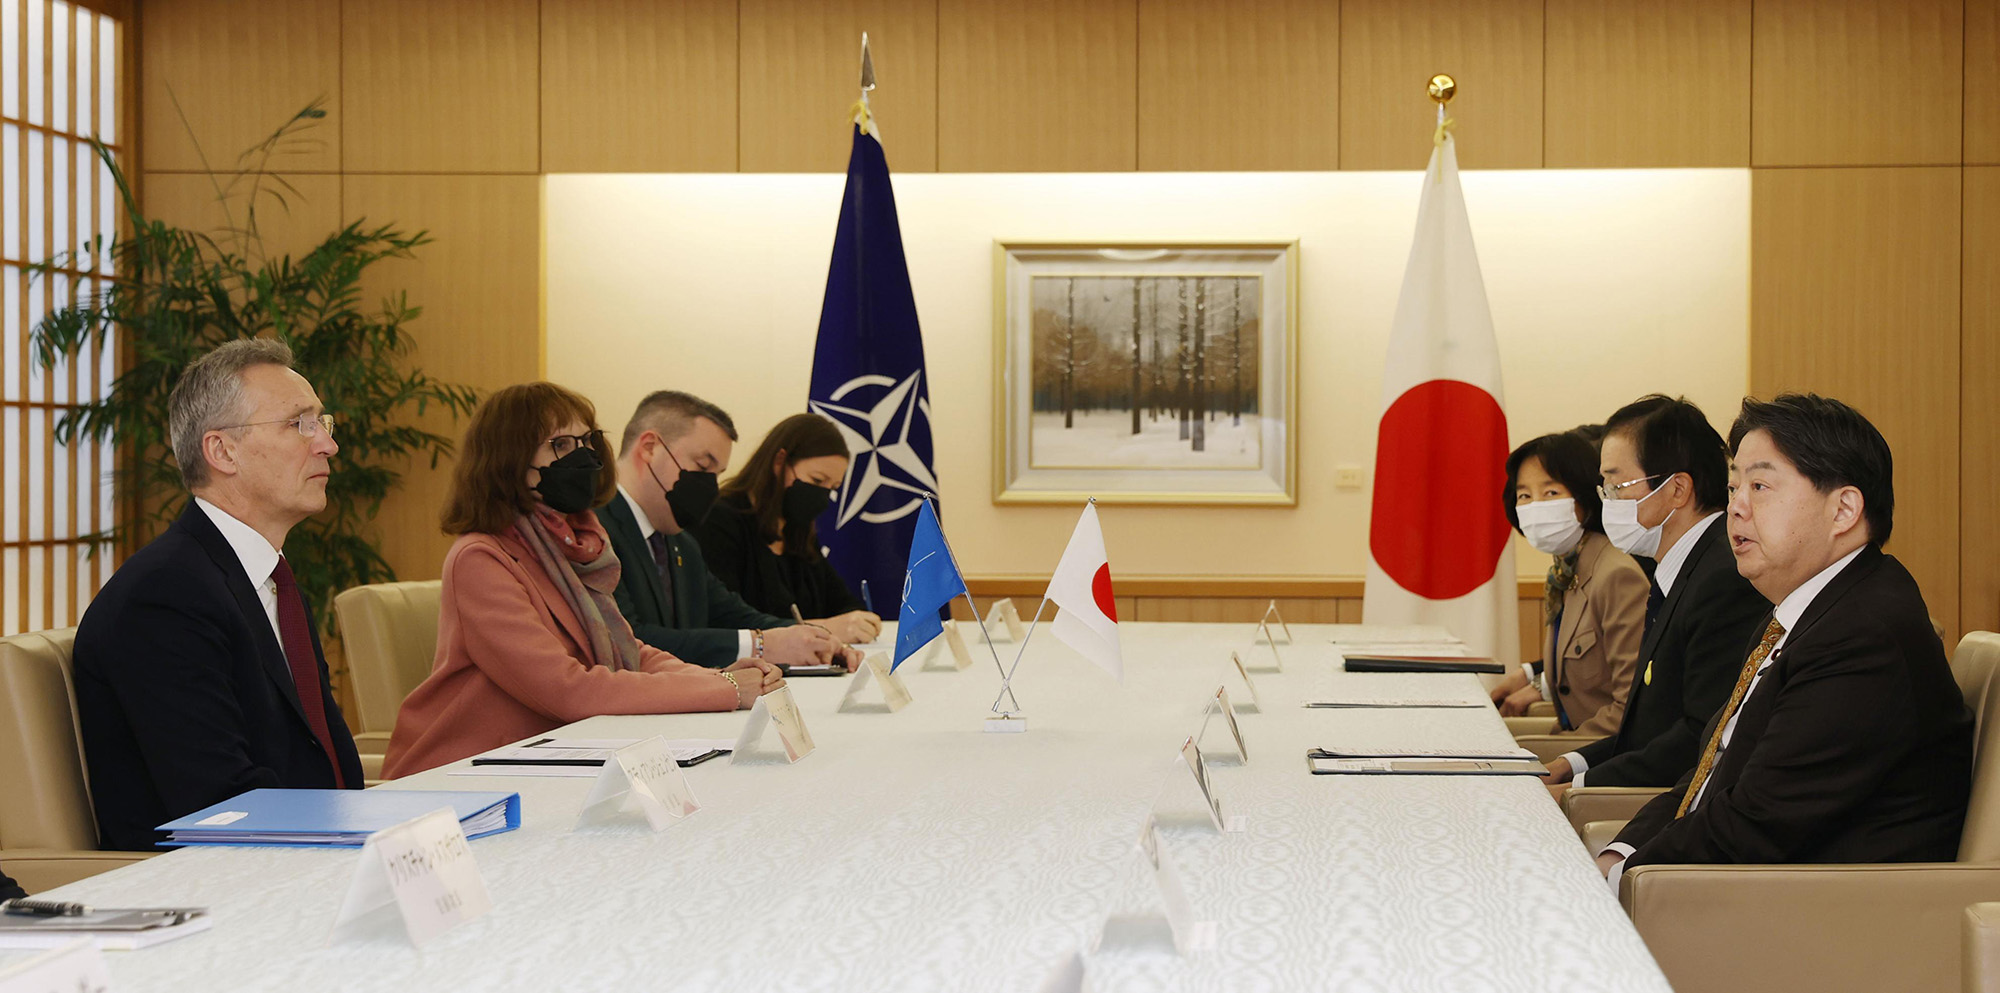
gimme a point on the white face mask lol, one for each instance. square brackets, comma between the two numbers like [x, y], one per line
[1621, 525]
[1551, 525]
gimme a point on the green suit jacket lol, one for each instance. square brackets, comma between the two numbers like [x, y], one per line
[701, 626]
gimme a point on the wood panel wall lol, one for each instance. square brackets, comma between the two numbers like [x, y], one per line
[1873, 244]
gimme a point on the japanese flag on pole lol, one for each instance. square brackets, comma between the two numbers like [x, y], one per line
[1438, 538]
[1081, 587]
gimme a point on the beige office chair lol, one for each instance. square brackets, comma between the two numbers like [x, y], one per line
[1979, 968]
[48, 830]
[389, 632]
[1834, 928]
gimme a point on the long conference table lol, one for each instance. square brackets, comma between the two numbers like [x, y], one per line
[913, 851]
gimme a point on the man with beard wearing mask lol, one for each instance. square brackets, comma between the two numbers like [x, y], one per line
[761, 540]
[1665, 483]
[668, 457]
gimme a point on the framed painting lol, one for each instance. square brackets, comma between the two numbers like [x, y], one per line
[1145, 373]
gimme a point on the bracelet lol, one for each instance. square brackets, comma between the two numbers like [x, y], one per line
[733, 684]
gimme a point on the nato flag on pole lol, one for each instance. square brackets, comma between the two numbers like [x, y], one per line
[930, 582]
[868, 378]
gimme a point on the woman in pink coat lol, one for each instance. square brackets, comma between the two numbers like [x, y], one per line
[529, 637]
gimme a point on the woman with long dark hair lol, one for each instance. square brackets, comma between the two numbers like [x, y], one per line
[760, 539]
[529, 635]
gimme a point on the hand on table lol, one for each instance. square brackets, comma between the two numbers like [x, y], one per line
[851, 657]
[800, 644]
[754, 678]
[1517, 702]
[1509, 686]
[856, 627]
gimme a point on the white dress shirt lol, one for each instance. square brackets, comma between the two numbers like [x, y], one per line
[1788, 613]
[1664, 574]
[646, 529]
[255, 554]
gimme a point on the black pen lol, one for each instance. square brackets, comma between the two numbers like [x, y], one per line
[866, 600]
[43, 908]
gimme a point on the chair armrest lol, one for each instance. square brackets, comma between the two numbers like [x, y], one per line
[1542, 708]
[1979, 972]
[1518, 726]
[1825, 928]
[372, 742]
[1549, 747]
[39, 869]
[1605, 803]
[1597, 834]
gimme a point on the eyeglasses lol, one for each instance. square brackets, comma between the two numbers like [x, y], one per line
[1611, 492]
[307, 425]
[563, 444]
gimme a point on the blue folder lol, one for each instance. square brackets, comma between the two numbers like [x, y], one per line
[335, 818]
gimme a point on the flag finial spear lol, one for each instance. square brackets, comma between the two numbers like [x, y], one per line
[1442, 87]
[863, 115]
[868, 66]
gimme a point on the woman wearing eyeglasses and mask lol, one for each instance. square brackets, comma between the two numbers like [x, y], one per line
[529, 635]
[760, 539]
[1594, 601]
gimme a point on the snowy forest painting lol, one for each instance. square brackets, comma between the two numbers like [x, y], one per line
[1145, 372]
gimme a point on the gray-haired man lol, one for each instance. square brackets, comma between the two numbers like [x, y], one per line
[198, 672]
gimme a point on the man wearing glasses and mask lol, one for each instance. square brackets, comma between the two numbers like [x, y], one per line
[1665, 484]
[668, 458]
[198, 671]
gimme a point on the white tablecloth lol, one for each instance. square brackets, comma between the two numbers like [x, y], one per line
[915, 852]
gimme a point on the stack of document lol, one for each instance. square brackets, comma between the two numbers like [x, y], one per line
[1424, 762]
[106, 928]
[339, 818]
[1399, 662]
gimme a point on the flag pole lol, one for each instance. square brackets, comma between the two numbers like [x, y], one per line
[1007, 680]
[998, 666]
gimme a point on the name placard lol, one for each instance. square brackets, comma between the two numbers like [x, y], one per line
[1264, 638]
[425, 869]
[774, 708]
[1196, 766]
[1004, 615]
[1264, 631]
[875, 670]
[961, 656]
[77, 967]
[1221, 703]
[1256, 702]
[643, 774]
[1190, 935]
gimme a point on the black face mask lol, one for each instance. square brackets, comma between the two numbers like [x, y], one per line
[569, 483]
[804, 502]
[692, 494]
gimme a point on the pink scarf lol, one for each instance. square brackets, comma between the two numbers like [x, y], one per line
[577, 557]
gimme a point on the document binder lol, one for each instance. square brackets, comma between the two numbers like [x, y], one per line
[335, 818]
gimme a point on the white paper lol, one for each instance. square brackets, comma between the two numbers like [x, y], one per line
[1443, 702]
[1011, 616]
[961, 656]
[1263, 639]
[226, 817]
[1264, 631]
[875, 671]
[76, 967]
[643, 774]
[423, 867]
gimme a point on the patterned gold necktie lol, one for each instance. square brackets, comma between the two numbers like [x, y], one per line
[1771, 635]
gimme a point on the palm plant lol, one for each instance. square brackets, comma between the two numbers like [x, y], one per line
[173, 294]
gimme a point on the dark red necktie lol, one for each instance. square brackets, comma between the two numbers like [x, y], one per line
[304, 662]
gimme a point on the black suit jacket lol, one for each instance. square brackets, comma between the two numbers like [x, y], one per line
[701, 625]
[10, 890]
[1687, 666]
[742, 558]
[1855, 745]
[184, 694]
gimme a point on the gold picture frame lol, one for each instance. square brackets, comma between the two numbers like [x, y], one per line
[1074, 423]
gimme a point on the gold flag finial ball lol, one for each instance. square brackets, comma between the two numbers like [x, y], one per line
[1442, 88]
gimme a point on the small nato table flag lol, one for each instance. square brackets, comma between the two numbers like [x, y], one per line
[868, 378]
[929, 583]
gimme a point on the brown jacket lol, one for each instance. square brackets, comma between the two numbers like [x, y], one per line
[1595, 654]
[510, 665]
